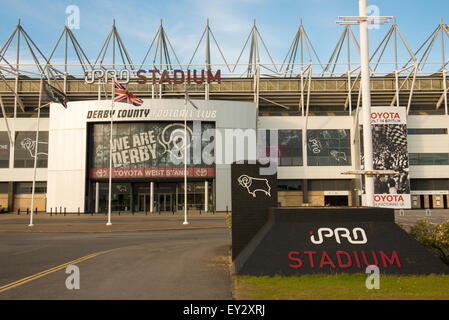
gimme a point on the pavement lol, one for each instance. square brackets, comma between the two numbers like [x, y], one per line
[86, 223]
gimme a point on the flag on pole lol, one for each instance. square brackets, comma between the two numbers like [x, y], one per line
[53, 94]
[123, 95]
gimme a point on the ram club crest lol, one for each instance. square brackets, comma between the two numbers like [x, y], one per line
[253, 185]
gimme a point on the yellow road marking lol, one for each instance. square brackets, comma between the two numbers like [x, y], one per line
[48, 271]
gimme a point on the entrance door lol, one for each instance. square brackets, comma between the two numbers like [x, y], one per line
[165, 201]
[143, 202]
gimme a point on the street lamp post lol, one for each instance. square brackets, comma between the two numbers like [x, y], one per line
[363, 21]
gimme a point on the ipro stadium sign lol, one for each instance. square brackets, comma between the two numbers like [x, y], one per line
[176, 76]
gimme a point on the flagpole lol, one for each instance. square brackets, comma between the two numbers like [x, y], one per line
[110, 160]
[35, 153]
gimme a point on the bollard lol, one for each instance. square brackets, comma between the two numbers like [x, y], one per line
[27, 211]
[56, 211]
[18, 211]
[35, 210]
[51, 211]
[64, 211]
[226, 210]
[78, 211]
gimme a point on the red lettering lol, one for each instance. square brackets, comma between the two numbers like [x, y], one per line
[144, 78]
[325, 259]
[291, 257]
[202, 77]
[394, 257]
[310, 253]
[374, 257]
[211, 78]
[357, 259]
[165, 77]
[153, 75]
[175, 78]
[348, 264]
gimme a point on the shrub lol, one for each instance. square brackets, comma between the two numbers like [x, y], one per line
[433, 236]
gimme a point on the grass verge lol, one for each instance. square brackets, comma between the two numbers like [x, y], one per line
[341, 286]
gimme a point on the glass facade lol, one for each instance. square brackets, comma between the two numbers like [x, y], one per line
[4, 150]
[145, 152]
[328, 147]
[328, 184]
[135, 196]
[427, 131]
[430, 159]
[289, 146]
[429, 184]
[290, 185]
[146, 144]
[25, 149]
[27, 187]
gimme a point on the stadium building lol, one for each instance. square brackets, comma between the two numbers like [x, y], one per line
[312, 106]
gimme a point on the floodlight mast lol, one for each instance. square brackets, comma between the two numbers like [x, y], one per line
[363, 21]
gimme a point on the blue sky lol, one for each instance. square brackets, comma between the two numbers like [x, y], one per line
[231, 21]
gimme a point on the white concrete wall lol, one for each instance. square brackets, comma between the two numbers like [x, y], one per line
[431, 143]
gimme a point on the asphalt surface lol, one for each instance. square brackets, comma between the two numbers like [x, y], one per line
[174, 264]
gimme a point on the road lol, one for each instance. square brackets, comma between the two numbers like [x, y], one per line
[175, 264]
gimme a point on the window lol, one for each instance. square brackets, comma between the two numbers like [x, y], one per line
[3, 187]
[289, 146]
[427, 131]
[27, 187]
[25, 148]
[429, 184]
[328, 184]
[429, 159]
[289, 185]
[144, 144]
[328, 147]
[4, 150]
